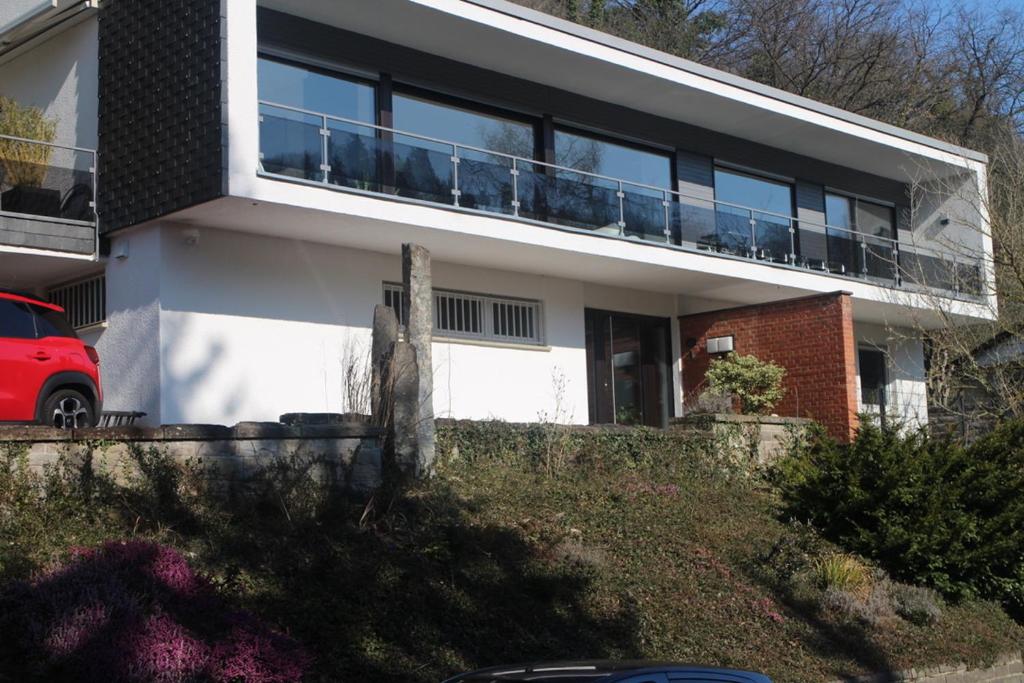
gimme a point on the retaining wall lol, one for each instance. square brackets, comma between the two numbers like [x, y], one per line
[768, 435]
[1007, 669]
[346, 455]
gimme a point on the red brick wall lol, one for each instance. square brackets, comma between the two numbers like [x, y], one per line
[811, 337]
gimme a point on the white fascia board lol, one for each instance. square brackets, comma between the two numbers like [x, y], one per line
[595, 45]
[20, 12]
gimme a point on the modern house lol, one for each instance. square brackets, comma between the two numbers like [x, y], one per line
[603, 218]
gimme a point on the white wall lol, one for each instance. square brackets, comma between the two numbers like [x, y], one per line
[907, 380]
[248, 327]
[61, 76]
[129, 347]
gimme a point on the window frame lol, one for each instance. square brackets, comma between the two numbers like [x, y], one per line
[400, 87]
[669, 153]
[336, 71]
[64, 295]
[756, 175]
[487, 301]
[883, 352]
[854, 198]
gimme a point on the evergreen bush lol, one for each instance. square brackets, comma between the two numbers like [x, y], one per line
[928, 510]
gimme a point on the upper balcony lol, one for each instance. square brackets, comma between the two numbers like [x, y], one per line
[346, 154]
[47, 197]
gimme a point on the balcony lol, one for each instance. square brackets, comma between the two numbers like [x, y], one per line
[318, 149]
[47, 196]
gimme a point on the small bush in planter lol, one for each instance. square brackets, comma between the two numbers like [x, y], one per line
[136, 611]
[757, 384]
[24, 165]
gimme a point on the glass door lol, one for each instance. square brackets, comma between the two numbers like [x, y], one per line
[628, 361]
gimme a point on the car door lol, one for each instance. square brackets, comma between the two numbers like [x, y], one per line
[24, 363]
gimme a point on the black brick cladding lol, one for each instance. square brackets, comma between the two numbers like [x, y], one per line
[160, 108]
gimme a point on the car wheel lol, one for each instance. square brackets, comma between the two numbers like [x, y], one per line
[68, 409]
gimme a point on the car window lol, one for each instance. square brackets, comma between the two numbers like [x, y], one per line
[16, 320]
[50, 323]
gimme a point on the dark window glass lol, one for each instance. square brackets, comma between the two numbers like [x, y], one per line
[50, 323]
[595, 155]
[16, 320]
[872, 377]
[302, 88]
[874, 219]
[750, 191]
[839, 211]
[462, 125]
[859, 215]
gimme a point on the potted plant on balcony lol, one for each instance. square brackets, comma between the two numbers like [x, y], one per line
[24, 165]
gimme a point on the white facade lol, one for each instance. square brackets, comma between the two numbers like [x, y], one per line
[217, 326]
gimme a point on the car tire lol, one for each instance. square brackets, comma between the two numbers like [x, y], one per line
[68, 409]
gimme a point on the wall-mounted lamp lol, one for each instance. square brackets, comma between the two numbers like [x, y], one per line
[720, 344]
[120, 250]
[691, 346]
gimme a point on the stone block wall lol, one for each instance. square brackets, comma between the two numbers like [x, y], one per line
[765, 437]
[347, 456]
[811, 337]
[1007, 669]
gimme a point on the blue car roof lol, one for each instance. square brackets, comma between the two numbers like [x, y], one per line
[605, 672]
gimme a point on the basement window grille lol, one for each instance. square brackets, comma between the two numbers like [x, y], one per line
[477, 316]
[84, 302]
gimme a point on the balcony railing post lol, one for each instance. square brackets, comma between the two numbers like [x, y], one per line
[666, 202]
[792, 241]
[622, 210]
[863, 256]
[753, 235]
[324, 134]
[897, 276]
[456, 193]
[514, 171]
[95, 206]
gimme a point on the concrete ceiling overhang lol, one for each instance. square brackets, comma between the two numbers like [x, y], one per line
[29, 270]
[515, 42]
[26, 23]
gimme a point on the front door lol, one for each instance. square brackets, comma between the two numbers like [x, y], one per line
[628, 361]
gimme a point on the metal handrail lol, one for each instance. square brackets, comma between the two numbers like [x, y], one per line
[93, 165]
[49, 144]
[619, 185]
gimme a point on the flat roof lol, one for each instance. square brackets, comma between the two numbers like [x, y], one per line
[614, 42]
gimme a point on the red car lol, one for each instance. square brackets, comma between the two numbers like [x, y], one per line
[47, 375]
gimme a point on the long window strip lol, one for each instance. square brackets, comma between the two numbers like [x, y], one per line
[474, 316]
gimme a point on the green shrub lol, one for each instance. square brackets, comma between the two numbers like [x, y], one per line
[756, 383]
[557, 447]
[928, 510]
